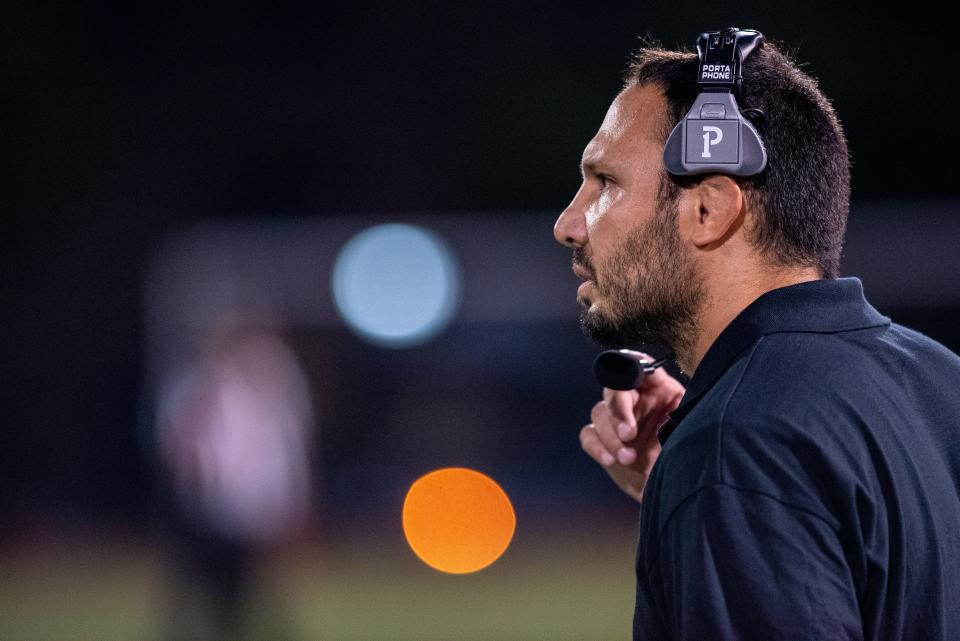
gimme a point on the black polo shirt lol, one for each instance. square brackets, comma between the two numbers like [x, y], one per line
[809, 482]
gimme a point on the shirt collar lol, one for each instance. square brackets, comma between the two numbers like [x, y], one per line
[820, 306]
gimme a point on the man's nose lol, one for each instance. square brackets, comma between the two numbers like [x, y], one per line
[571, 227]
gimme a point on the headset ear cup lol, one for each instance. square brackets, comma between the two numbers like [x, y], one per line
[718, 114]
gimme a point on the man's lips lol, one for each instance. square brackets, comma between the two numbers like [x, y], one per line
[581, 273]
[587, 283]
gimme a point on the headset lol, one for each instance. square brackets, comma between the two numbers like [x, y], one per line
[714, 136]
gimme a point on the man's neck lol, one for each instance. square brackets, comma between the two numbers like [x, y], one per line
[726, 298]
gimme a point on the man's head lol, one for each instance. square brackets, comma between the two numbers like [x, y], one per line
[652, 246]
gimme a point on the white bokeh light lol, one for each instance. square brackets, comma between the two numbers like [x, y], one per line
[396, 285]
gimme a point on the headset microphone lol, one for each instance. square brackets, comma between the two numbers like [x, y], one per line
[714, 136]
[623, 369]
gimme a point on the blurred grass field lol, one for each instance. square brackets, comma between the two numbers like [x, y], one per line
[576, 587]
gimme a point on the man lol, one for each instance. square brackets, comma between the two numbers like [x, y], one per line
[806, 485]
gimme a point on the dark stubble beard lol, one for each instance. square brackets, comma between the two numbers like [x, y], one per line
[650, 289]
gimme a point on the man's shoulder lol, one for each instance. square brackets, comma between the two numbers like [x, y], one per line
[785, 366]
[808, 405]
[913, 344]
[788, 417]
[791, 416]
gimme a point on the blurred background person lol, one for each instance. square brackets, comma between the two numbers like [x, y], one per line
[234, 432]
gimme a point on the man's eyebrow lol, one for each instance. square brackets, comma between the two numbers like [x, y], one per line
[590, 164]
[594, 165]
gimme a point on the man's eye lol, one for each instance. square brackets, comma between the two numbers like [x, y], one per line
[604, 180]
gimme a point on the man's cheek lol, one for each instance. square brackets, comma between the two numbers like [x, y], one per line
[599, 219]
[608, 198]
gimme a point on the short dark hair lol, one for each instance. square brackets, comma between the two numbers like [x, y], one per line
[803, 196]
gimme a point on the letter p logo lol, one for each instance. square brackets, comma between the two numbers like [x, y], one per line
[709, 141]
[713, 142]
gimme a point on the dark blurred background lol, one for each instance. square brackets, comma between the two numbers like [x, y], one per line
[137, 132]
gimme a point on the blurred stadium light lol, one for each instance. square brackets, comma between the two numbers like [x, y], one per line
[397, 285]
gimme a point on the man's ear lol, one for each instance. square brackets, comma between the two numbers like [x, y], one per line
[715, 210]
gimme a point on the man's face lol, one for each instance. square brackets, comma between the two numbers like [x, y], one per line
[641, 283]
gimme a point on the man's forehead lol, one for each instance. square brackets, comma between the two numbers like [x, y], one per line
[633, 119]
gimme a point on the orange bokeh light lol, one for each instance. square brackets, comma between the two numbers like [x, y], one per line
[458, 520]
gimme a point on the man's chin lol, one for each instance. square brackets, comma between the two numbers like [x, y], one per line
[608, 334]
[599, 329]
